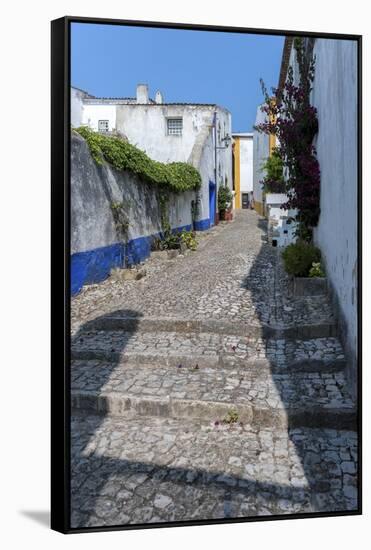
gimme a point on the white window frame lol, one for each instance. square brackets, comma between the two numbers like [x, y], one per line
[177, 126]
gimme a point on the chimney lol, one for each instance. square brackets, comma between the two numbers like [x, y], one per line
[142, 93]
[159, 97]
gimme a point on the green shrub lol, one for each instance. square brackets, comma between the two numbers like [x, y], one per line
[299, 257]
[177, 176]
[274, 181]
[171, 241]
[224, 198]
[189, 239]
[316, 270]
[303, 233]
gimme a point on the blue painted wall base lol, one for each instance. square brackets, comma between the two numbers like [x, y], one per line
[202, 225]
[93, 266]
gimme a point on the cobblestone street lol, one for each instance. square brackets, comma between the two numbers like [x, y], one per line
[206, 390]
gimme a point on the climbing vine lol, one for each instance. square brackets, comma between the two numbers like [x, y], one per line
[120, 219]
[175, 176]
[121, 222]
[163, 200]
[292, 118]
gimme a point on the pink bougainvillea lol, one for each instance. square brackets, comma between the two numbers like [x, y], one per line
[292, 118]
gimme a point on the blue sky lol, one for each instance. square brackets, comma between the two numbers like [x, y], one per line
[187, 66]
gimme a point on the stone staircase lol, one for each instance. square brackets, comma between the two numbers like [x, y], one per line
[211, 386]
[205, 375]
[220, 396]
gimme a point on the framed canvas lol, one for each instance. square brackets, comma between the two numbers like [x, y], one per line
[206, 238]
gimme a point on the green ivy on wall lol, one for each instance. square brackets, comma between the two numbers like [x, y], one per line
[122, 155]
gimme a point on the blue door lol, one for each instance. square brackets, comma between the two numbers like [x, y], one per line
[212, 203]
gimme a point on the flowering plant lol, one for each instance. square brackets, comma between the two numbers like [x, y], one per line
[292, 118]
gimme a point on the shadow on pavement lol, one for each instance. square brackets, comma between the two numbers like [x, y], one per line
[101, 493]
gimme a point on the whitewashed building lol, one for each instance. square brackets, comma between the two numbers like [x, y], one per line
[261, 151]
[243, 169]
[334, 95]
[199, 134]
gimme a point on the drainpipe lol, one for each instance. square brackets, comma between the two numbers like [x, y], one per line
[215, 168]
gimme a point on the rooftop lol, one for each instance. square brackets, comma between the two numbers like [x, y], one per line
[243, 134]
[133, 101]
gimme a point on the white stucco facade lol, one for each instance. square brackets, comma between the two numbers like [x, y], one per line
[274, 202]
[334, 95]
[77, 106]
[260, 155]
[93, 113]
[167, 132]
[246, 163]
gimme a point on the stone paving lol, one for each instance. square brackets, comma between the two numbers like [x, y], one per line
[165, 470]
[204, 391]
[164, 345]
[234, 386]
[230, 276]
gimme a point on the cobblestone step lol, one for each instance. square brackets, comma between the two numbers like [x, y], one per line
[154, 470]
[226, 361]
[209, 349]
[161, 448]
[322, 329]
[213, 393]
[256, 364]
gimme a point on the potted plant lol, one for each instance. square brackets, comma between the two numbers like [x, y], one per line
[302, 260]
[224, 201]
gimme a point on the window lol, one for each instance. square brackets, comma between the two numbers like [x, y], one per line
[174, 126]
[103, 126]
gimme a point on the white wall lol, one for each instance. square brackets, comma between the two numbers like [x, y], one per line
[94, 188]
[246, 164]
[145, 126]
[273, 203]
[260, 155]
[76, 106]
[334, 95]
[223, 155]
[206, 169]
[91, 114]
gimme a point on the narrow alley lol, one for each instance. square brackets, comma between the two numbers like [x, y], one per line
[206, 390]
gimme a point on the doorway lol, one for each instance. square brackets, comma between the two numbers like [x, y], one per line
[212, 203]
[245, 200]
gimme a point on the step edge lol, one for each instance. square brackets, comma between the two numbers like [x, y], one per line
[123, 404]
[210, 361]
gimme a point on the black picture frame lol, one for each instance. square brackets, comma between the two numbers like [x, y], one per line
[60, 269]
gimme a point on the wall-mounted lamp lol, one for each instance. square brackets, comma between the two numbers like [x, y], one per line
[227, 141]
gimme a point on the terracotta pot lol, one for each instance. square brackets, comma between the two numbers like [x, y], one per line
[228, 216]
